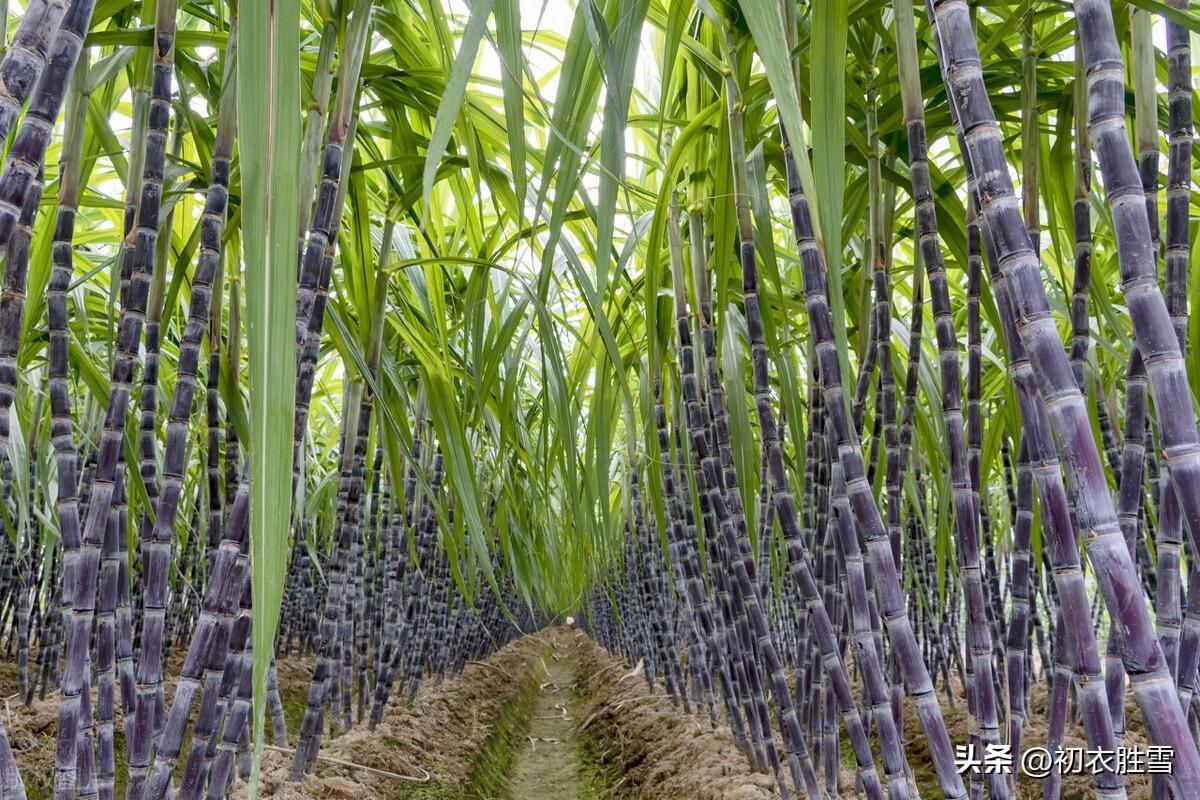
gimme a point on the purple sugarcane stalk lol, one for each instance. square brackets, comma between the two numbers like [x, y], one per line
[1178, 255]
[862, 502]
[25, 58]
[1027, 318]
[966, 507]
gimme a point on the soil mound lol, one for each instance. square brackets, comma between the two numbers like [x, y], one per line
[664, 753]
[441, 733]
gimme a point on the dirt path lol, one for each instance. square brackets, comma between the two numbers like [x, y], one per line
[551, 716]
[548, 766]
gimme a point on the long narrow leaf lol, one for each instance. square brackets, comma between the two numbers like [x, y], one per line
[269, 92]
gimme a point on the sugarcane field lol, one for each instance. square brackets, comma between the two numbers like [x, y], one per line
[599, 399]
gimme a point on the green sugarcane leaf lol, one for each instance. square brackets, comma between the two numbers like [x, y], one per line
[512, 59]
[672, 35]
[268, 90]
[619, 60]
[1177, 15]
[830, 29]
[455, 92]
[767, 27]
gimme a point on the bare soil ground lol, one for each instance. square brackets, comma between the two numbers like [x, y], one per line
[552, 716]
[547, 764]
[441, 734]
[664, 753]
[590, 734]
[1074, 787]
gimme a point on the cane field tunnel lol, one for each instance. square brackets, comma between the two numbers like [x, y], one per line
[619, 399]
